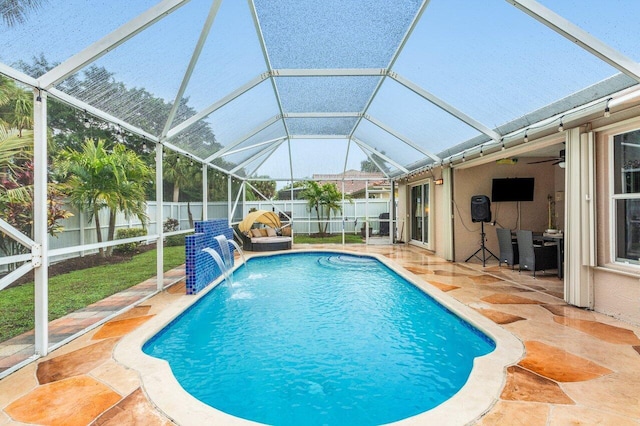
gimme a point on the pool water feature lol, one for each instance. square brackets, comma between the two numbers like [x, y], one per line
[222, 264]
[319, 338]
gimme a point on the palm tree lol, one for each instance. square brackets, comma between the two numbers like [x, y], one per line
[313, 194]
[332, 198]
[13, 149]
[90, 180]
[134, 177]
[181, 172]
[324, 199]
[17, 105]
[98, 179]
[22, 115]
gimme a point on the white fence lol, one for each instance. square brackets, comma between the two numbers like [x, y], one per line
[78, 231]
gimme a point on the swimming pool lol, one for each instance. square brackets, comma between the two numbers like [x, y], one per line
[357, 379]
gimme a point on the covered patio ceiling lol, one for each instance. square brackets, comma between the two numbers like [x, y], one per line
[292, 88]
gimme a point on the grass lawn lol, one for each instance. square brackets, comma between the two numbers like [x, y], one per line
[330, 239]
[75, 290]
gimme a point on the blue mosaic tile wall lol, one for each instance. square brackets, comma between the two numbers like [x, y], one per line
[201, 269]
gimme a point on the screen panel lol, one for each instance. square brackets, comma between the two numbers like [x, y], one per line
[334, 33]
[325, 94]
[334, 126]
[417, 119]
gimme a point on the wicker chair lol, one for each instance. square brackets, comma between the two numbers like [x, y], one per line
[535, 257]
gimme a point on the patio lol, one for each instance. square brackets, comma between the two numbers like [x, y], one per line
[580, 366]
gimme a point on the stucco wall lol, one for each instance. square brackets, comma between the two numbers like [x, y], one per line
[617, 294]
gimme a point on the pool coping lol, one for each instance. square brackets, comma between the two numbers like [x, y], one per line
[478, 395]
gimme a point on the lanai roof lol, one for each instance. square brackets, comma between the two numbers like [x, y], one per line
[292, 88]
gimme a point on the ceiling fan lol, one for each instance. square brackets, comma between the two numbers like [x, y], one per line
[557, 160]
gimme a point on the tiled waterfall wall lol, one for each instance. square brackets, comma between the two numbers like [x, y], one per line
[201, 268]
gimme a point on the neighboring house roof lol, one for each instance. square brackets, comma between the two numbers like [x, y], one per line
[354, 181]
[378, 185]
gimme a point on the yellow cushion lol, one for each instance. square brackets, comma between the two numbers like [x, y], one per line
[263, 232]
[271, 232]
[286, 232]
[256, 233]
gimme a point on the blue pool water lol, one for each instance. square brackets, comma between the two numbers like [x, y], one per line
[319, 338]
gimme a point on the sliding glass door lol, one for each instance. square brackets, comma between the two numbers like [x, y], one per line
[420, 204]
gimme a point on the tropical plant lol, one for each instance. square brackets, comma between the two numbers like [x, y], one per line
[16, 106]
[132, 179]
[97, 179]
[16, 189]
[22, 114]
[13, 150]
[324, 200]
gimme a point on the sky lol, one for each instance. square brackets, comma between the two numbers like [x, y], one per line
[487, 58]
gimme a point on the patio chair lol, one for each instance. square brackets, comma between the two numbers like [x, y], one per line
[534, 257]
[508, 248]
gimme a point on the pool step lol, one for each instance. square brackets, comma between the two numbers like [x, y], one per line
[338, 261]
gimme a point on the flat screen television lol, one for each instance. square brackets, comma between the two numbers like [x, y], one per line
[512, 189]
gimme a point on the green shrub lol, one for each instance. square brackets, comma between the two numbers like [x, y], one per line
[174, 240]
[129, 233]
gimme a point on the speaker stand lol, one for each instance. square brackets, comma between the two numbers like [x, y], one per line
[482, 249]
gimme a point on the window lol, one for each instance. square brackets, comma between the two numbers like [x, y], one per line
[626, 196]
